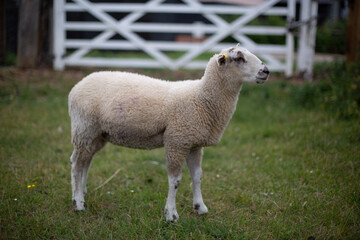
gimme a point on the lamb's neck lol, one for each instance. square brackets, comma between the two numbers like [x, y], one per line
[217, 87]
[219, 102]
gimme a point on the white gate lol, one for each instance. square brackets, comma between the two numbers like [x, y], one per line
[75, 52]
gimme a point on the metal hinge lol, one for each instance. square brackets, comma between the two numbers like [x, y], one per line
[295, 24]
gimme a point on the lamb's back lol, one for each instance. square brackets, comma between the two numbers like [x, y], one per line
[99, 90]
[128, 98]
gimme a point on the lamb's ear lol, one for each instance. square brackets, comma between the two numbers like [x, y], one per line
[221, 59]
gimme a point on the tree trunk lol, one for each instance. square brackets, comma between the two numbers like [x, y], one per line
[27, 52]
[2, 32]
[45, 55]
[353, 33]
[34, 34]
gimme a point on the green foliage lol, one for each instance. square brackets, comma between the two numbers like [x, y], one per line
[281, 171]
[268, 21]
[140, 55]
[337, 90]
[10, 58]
[261, 21]
[330, 37]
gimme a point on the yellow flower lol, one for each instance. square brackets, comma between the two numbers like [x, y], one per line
[33, 185]
[29, 186]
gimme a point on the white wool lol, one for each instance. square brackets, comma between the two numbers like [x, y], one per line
[137, 111]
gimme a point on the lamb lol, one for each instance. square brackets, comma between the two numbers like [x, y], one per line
[137, 111]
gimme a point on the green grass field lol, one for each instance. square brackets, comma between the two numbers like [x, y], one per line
[281, 171]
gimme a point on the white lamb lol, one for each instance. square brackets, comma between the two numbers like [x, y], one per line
[136, 111]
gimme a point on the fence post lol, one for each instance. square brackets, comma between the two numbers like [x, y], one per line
[301, 52]
[311, 41]
[305, 58]
[59, 34]
[290, 39]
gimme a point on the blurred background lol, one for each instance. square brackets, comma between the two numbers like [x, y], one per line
[36, 33]
[287, 166]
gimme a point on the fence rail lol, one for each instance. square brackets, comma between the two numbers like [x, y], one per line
[212, 32]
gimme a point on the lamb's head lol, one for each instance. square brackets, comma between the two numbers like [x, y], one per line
[242, 65]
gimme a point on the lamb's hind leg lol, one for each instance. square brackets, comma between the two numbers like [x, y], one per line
[78, 159]
[96, 146]
[80, 163]
[194, 164]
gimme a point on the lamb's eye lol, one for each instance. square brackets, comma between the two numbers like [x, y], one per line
[240, 59]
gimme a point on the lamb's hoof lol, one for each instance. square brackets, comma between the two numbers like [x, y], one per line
[79, 205]
[200, 208]
[171, 215]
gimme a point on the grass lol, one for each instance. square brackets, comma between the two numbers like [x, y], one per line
[281, 171]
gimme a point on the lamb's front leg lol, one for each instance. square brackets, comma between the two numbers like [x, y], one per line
[194, 164]
[174, 160]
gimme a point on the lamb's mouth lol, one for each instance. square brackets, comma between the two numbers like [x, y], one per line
[261, 80]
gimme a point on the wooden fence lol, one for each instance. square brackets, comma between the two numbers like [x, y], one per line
[210, 34]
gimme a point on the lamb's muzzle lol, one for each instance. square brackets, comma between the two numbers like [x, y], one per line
[262, 75]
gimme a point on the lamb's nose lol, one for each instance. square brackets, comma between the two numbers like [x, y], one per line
[266, 70]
